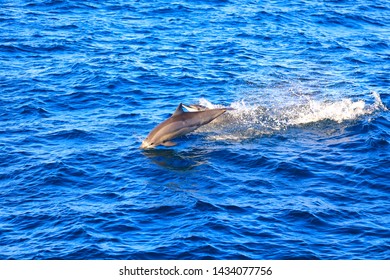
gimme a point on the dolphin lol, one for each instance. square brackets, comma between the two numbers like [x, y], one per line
[177, 125]
[198, 107]
[195, 107]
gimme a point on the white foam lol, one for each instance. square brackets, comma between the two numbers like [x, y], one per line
[378, 105]
[337, 111]
[250, 120]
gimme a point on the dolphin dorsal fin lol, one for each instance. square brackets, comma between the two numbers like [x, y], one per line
[179, 110]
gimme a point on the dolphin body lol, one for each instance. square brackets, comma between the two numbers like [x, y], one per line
[177, 125]
[195, 107]
[198, 107]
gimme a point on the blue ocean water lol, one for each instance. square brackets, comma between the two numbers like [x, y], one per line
[299, 170]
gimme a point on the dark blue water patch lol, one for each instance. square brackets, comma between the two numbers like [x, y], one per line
[173, 160]
[32, 111]
[59, 5]
[36, 49]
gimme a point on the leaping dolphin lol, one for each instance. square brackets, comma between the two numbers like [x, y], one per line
[177, 125]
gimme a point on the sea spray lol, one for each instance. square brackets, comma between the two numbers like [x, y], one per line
[254, 120]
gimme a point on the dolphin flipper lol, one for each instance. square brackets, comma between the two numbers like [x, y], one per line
[169, 144]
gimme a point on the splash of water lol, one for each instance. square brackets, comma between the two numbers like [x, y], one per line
[253, 120]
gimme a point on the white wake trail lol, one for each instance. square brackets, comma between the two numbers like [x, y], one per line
[253, 120]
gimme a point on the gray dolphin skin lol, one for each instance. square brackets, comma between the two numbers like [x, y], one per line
[198, 107]
[177, 125]
[195, 107]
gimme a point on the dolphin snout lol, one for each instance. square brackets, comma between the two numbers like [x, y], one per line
[146, 145]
